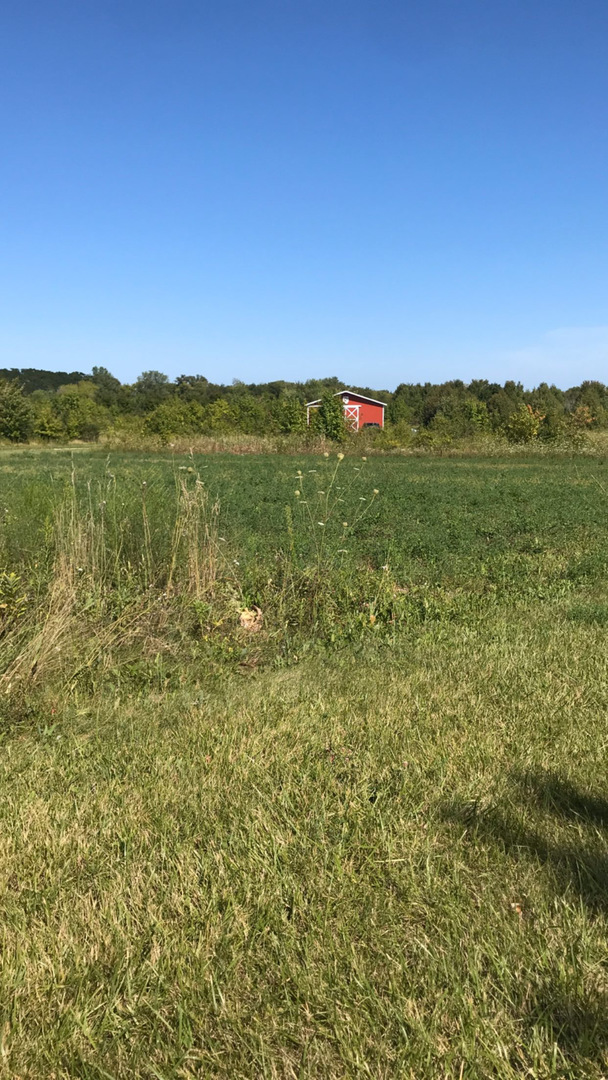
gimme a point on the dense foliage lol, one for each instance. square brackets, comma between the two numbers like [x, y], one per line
[62, 406]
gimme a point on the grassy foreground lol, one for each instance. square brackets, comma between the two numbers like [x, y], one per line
[387, 859]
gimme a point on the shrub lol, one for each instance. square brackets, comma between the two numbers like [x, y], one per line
[175, 417]
[328, 419]
[289, 416]
[46, 424]
[477, 416]
[524, 424]
[582, 417]
[221, 416]
[15, 412]
[79, 414]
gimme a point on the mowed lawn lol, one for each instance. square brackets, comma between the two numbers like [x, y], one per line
[385, 856]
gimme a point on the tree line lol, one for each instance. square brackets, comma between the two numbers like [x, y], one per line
[59, 406]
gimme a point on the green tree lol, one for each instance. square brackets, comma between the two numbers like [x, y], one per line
[593, 396]
[250, 416]
[193, 388]
[289, 415]
[109, 390]
[330, 418]
[221, 416]
[80, 415]
[15, 412]
[151, 389]
[175, 417]
[482, 389]
[501, 406]
[46, 424]
[477, 418]
[405, 405]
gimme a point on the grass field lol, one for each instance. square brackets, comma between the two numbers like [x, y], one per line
[368, 838]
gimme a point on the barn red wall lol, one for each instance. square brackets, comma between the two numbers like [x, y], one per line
[369, 414]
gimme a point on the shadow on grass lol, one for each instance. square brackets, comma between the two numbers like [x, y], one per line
[558, 796]
[577, 1022]
[581, 866]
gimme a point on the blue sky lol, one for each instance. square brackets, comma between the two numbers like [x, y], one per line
[260, 189]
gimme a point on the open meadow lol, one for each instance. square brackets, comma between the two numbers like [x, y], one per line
[303, 766]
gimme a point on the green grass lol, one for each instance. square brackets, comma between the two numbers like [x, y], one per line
[384, 856]
[439, 508]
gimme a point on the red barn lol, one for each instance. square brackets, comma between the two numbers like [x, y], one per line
[359, 411]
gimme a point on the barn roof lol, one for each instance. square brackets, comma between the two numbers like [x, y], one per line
[353, 394]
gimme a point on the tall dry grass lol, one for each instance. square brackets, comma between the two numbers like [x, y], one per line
[95, 598]
[158, 582]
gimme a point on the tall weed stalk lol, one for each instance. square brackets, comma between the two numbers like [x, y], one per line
[96, 597]
[195, 554]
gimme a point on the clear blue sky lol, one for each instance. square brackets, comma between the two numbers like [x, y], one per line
[385, 190]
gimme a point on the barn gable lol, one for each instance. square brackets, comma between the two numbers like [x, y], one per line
[359, 411]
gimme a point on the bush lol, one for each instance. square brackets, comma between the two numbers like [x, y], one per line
[175, 417]
[328, 419]
[289, 415]
[47, 425]
[78, 412]
[15, 412]
[221, 416]
[477, 417]
[524, 424]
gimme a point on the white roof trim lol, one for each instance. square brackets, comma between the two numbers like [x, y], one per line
[353, 393]
[373, 400]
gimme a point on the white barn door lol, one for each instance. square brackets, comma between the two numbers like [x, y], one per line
[351, 416]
